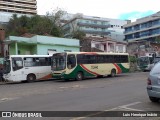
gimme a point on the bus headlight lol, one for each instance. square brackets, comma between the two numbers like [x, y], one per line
[7, 75]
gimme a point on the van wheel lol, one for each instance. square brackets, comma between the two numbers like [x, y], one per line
[113, 73]
[153, 99]
[79, 76]
[31, 78]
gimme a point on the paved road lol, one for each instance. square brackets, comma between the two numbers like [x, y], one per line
[125, 92]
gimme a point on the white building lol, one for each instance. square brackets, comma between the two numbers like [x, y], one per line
[95, 26]
[19, 7]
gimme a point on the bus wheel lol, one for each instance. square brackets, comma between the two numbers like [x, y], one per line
[79, 76]
[113, 73]
[31, 78]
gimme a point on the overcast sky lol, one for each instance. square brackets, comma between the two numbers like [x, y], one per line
[119, 9]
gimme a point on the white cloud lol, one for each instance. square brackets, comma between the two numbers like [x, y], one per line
[101, 8]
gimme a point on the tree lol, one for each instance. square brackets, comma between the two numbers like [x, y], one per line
[157, 39]
[39, 25]
[78, 34]
[55, 16]
[12, 26]
[36, 25]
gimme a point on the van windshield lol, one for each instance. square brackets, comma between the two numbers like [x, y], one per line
[157, 59]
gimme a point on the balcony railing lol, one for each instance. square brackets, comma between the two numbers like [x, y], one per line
[18, 9]
[93, 25]
[149, 26]
[26, 1]
[17, 4]
[97, 32]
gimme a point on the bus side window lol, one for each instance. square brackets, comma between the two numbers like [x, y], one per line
[71, 61]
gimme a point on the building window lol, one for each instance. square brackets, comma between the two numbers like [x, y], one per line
[95, 21]
[97, 46]
[103, 29]
[52, 50]
[67, 50]
[103, 23]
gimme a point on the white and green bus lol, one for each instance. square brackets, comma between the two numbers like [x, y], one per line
[80, 65]
[27, 68]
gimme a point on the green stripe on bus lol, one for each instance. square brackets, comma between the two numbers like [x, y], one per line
[76, 70]
[124, 70]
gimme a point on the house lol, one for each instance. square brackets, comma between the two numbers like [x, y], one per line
[106, 44]
[38, 44]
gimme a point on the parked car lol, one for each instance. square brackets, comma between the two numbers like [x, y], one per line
[153, 87]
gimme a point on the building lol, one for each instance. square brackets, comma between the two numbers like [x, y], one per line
[40, 45]
[95, 27]
[19, 7]
[93, 44]
[147, 28]
[142, 47]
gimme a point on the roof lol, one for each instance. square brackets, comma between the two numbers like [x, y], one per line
[144, 19]
[98, 39]
[94, 53]
[28, 35]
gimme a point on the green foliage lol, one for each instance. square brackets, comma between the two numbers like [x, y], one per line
[35, 25]
[133, 59]
[79, 34]
[157, 39]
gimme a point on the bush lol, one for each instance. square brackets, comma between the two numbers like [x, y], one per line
[132, 59]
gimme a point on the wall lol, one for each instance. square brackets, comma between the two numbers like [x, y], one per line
[59, 44]
[23, 48]
[56, 41]
[12, 49]
[43, 49]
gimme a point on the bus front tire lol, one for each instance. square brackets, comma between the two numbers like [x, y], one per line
[113, 73]
[31, 78]
[79, 76]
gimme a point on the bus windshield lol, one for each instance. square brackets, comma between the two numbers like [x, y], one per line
[145, 60]
[59, 61]
[7, 66]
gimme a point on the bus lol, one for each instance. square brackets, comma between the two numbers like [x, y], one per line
[146, 63]
[27, 68]
[80, 65]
